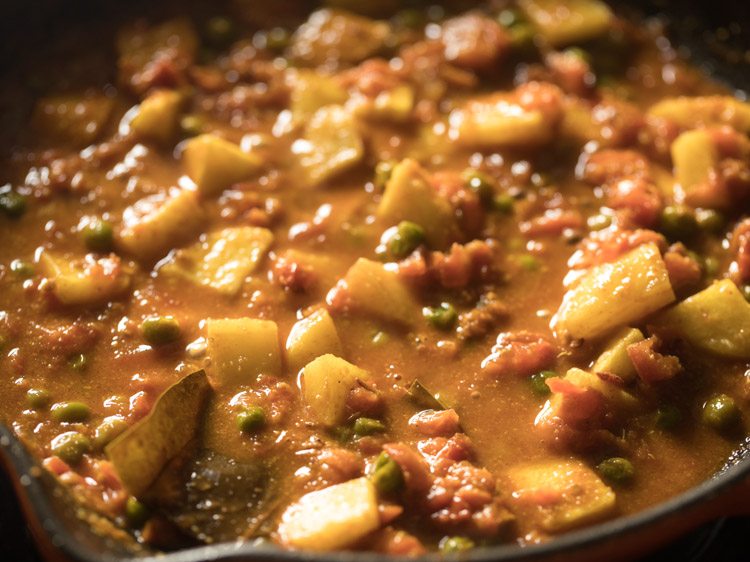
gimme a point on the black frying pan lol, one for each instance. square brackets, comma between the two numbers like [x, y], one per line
[711, 33]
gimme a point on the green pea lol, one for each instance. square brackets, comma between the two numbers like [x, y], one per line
[541, 179]
[710, 221]
[220, 31]
[136, 513]
[407, 237]
[277, 39]
[720, 412]
[616, 470]
[411, 18]
[37, 398]
[510, 18]
[668, 416]
[383, 171]
[79, 362]
[528, 262]
[22, 268]
[522, 38]
[504, 203]
[368, 426]
[538, 382]
[579, 53]
[387, 474]
[598, 222]
[442, 317]
[192, 125]
[70, 412]
[70, 446]
[678, 223]
[160, 330]
[479, 183]
[455, 544]
[106, 431]
[251, 419]
[746, 292]
[710, 266]
[98, 236]
[12, 204]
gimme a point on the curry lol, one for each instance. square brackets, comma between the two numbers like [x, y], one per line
[377, 277]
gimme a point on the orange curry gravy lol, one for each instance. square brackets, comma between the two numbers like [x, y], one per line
[430, 182]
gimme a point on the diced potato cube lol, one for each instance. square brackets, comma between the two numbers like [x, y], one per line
[337, 35]
[223, 259]
[240, 349]
[74, 119]
[578, 122]
[706, 111]
[560, 495]
[310, 338]
[409, 196]
[86, 281]
[332, 518]
[214, 164]
[312, 90]
[614, 359]
[374, 290]
[390, 105]
[498, 121]
[694, 156]
[615, 294]
[158, 115]
[331, 144]
[716, 320]
[158, 223]
[325, 269]
[569, 21]
[326, 383]
[614, 395]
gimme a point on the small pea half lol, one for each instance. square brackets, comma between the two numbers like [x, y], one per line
[70, 412]
[538, 382]
[70, 446]
[12, 204]
[617, 470]
[455, 544]
[251, 419]
[442, 317]
[720, 412]
[387, 474]
[368, 426]
[160, 330]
